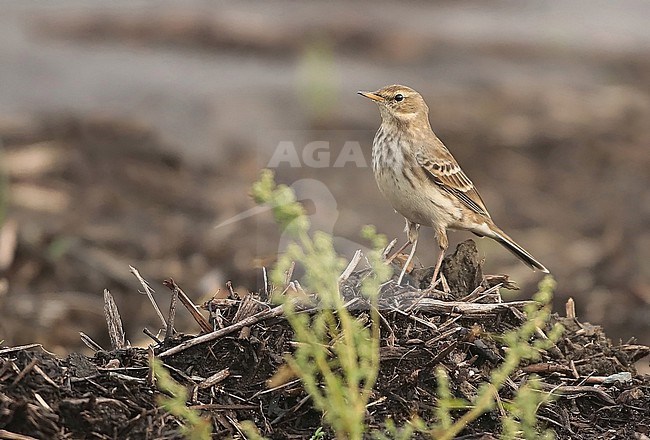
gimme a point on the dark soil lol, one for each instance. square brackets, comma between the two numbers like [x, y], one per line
[110, 394]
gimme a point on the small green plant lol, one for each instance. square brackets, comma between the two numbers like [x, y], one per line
[319, 434]
[194, 426]
[521, 419]
[250, 430]
[337, 356]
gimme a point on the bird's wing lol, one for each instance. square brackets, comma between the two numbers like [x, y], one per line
[441, 168]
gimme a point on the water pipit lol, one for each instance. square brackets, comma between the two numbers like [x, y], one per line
[422, 180]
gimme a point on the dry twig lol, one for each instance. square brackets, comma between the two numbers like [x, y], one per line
[88, 342]
[261, 316]
[189, 305]
[149, 292]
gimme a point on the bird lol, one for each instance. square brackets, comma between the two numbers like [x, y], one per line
[424, 182]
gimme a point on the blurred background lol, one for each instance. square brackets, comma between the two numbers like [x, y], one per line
[131, 130]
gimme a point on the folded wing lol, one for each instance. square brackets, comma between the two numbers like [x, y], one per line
[443, 170]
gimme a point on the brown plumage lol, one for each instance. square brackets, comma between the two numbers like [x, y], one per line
[423, 181]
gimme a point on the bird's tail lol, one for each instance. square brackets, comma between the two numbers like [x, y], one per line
[517, 250]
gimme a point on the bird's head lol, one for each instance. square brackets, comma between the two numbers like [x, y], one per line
[399, 103]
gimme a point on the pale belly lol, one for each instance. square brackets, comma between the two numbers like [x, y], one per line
[427, 206]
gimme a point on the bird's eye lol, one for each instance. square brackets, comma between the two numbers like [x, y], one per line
[399, 97]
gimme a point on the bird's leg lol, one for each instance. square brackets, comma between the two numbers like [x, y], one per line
[412, 232]
[443, 242]
[408, 261]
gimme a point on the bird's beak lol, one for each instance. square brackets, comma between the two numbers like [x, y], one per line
[372, 95]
